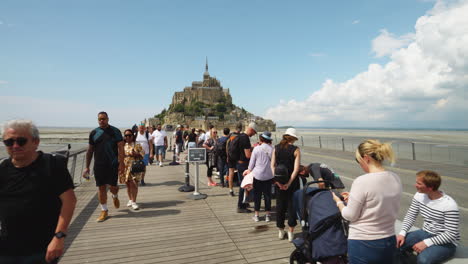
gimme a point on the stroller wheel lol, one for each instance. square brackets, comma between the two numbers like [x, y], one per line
[297, 257]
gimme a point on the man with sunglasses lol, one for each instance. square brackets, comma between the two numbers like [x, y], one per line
[36, 198]
[107, 145]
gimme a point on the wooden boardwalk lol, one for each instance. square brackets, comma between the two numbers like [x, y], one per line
[171, 228]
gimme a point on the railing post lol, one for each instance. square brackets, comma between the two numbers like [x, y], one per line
[413, 149]
[342, 144]
[276, 139]
[320, 142]
[73, 167]
[302, 140]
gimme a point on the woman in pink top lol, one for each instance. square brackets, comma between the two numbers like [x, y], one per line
[372, 206]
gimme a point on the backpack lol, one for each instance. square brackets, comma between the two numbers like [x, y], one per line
[232, 146]
[220, 149]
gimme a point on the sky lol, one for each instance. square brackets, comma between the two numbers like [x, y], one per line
[367, 63]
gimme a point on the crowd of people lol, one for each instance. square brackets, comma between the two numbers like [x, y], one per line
[371, 206]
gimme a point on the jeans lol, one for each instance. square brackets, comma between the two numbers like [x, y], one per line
[433, 254]
[262, 187]
[241, 167]
[381, 251]
[222, 169]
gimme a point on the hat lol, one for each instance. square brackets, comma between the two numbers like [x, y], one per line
[253, 126]
[178, 126]
[266, 135]
[291, 131]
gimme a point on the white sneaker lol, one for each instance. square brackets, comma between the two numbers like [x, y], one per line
[255, 218]
[129, 203]
[135, 206]
[281, 233]
[290, 236]
[267, 218]
[160, 164]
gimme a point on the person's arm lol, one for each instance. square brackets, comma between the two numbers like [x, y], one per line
[248, 153]
[151, 140]
[89, 157]
[352, 211]
[297, 164]
[56, 245]
[165, 141]
[449, 235]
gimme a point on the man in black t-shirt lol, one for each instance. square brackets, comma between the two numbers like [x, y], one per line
[107, 145]
[245, 149]
[36, 198]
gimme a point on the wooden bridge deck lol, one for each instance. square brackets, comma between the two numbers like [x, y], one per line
[171, 228]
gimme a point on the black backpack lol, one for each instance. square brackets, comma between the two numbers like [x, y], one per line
[233, 149]
[221, 148]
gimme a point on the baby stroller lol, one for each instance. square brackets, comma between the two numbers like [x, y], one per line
[324, 232]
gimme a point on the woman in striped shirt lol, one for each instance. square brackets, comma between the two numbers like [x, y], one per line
[436, 241]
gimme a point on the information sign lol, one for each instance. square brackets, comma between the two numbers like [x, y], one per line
[197, 155]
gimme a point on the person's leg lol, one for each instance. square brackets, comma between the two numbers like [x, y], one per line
[231, 179]
[102, 194]
[257, 190]
[241, 167]
[221, 171]
[281, 205]
[209, 172]
[436, 254]
[292, 217]
[129, 192]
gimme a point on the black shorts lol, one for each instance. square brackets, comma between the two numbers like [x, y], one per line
[106, 175]
[232, 164]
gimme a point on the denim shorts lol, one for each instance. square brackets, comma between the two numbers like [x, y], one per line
[159, 150]
[146, 159]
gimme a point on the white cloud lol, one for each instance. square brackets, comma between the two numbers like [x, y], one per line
[3, 82]
[67, 113]
[355, 22]
[425, 83]
[387, 43]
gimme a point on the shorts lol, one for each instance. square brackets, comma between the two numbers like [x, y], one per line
[179, 147]
[146, 159]
[232, 164]
[106, 175]
[159, 150]
[192, 144]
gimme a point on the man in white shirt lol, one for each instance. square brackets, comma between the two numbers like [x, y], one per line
[159, 139]
[143, 138]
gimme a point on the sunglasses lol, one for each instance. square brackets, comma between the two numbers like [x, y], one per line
[21, 141]
[128, 135]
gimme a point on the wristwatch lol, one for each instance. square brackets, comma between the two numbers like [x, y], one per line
[60, 234]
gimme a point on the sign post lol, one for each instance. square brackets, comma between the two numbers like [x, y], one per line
[197, 156]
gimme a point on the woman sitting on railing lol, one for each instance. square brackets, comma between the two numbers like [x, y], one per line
[133, 151]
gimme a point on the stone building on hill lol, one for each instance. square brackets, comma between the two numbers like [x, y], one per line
[207, 102]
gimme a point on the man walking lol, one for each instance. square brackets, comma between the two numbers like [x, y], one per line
[107, 145]
[36, 198]
[159, 140]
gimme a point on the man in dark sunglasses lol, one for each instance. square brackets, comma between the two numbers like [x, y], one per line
[107, 145]
[36, 198]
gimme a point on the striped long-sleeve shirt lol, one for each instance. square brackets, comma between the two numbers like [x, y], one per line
[441, 218]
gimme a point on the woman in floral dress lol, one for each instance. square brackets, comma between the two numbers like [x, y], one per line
[133, 151]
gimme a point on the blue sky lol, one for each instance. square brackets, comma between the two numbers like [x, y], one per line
[63, 61]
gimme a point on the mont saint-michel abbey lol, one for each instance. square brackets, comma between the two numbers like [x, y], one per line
[207, 102]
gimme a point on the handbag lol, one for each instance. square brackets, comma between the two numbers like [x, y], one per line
[138, 166]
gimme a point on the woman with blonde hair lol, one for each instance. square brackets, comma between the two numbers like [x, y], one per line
[286, 157]
[133, 151]
[372, 206]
